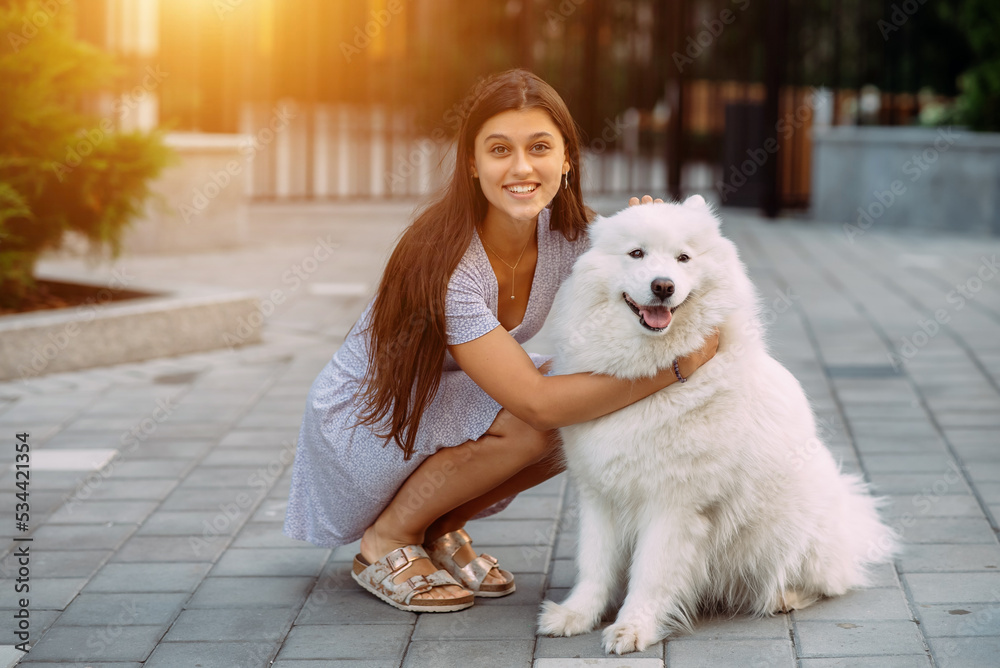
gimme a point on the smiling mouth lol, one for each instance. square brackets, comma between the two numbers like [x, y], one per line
[654, 318]
[522, 189]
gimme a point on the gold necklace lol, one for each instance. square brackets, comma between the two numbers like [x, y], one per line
[512, 266]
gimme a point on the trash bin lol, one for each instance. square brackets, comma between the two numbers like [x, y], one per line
[743, 178]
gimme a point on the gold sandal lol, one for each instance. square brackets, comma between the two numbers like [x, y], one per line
[377, 578]
[442, 553]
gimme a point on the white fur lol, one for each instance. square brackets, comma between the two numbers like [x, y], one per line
[715, 494]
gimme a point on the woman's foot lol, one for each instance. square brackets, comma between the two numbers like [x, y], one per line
[459, 550]
[374, 547]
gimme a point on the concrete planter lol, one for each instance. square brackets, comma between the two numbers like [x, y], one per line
[917, 178]
[133, 330]
[202, 202]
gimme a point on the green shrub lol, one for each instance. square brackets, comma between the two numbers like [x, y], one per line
[61, 168]
[978, 106]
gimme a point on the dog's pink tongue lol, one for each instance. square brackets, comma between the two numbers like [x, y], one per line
[657, 317]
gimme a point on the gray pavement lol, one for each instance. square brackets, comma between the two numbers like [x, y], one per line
[158, 488]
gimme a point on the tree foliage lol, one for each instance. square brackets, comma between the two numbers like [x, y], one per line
[61, 167]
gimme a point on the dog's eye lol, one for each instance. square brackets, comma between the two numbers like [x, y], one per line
[638, 254]
[683, 257]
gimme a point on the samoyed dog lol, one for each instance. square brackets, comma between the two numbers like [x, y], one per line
[714, 495]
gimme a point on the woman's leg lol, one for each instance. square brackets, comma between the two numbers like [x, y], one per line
[466, 476]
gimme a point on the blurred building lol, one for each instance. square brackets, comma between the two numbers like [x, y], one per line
[356, 98]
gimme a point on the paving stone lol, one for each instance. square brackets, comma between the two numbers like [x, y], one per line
[198, 499]
[731, 653]
[959, 557]
[271, 510]
[738, 628]
[214, 477]
[251, 592]
[145, 549]
[87, 643]
[464, 653]
[619, 662]
[586, 646]
[529, 590]
[212, 654]
[942, 482]
[905, 661]
[953, 587]
[238, 438]
[965, 652]
[915, 463]
[333, 606]
[39, 620]
[86, 537]
[186, 450]
[342, 663]
[858, 604]
[147, 577]
[264, 534]
[66, 564]
[479, 623]
[968, 619]
[944, 530]
[45, 593]
[519, 559]
[932, 505]
[88, 664]
[241, 457]
[898, 446]
[101, 512]
[152, 468]
[270, 561]
[869, 638]
[267, 624]
[130, 609]
[357, 641]
[107, 490]
[202, 523]
[511, 532]
[563, 573]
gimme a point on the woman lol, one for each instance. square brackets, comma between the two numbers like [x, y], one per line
[431, 413]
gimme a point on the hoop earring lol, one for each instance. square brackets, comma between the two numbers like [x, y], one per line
[566, 179]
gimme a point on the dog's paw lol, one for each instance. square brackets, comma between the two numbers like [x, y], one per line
[558, 620]
[625, 637]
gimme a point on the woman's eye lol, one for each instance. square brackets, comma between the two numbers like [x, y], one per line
[540, 147]
[499, 149]
[638, 254]
[683, 257]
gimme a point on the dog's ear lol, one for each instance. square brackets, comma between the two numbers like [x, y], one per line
[696, 201]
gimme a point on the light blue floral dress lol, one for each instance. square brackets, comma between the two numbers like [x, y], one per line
[344, 475]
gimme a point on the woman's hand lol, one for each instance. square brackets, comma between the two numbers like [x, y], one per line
[646, 199]
[691, 363]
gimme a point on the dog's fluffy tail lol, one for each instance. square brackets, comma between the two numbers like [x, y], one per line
[859, 540]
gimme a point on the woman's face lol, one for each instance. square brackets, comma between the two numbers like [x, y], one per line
[519, 157]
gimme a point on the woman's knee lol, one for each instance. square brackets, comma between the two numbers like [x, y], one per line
[536, 444]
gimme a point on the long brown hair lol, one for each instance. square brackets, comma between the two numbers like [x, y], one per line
[407, 339]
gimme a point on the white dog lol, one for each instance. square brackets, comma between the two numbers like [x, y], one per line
[715, 494]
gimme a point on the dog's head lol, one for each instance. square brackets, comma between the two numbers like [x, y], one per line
[657, 277]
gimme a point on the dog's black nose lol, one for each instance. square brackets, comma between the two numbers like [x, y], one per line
[662, 287]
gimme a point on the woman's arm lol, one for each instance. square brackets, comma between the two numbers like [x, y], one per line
[498, 364]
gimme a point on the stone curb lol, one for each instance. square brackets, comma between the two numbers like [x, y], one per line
[183, 321]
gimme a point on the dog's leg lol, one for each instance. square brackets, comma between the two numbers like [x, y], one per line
[668, 572]
[599, 561]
